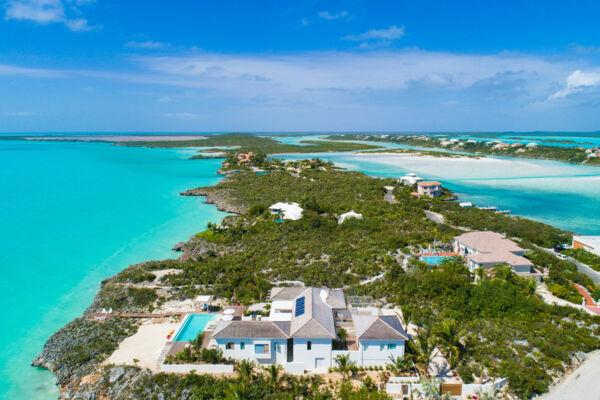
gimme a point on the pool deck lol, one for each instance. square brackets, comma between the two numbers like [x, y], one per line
[440, 254]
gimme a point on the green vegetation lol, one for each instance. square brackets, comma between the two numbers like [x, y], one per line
[125, 299]
[585, 257]
[535, 232]
[134, 274]
[496, 327]
[257, 144]
[87, 343]
[574, 155]
[250, 384]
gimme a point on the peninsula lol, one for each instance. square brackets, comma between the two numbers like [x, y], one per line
[369, 237]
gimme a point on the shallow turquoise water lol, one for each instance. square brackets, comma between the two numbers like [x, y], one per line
[193, 325]
[71, 215]
[563, 195]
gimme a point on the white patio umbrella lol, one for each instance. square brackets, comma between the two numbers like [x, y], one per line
[229, 311]
[227, 317]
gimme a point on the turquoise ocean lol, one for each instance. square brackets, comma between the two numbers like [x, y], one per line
[72, 214]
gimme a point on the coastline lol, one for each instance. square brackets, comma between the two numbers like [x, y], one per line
[219, 199]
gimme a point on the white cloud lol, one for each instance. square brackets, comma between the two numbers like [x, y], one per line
[331, 16]
[12, 70]
[146, 45]
[48, 11]
[165, 99]
[577, 82]
[377, 36]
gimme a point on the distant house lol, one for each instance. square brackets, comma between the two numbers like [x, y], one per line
[531, 145]
[488, 249]
[589, 243]
[301, 328]
[465, 204]
[291, 211]
[501, 145]
[349, 214]
[516, 144]
[410, 179]
[429, 188]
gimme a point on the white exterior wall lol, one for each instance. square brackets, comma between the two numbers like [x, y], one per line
[274, 356]
[320, 348]
[372, 355]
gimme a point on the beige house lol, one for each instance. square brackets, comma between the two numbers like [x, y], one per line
[488, 249]
[429, 188]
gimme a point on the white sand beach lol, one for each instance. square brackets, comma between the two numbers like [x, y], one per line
[145, 345]
[581, 384]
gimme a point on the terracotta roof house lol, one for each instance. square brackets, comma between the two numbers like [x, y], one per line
[429, 188]
[301, 328]
[488, 249]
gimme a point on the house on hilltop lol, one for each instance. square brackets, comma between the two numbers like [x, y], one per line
[488, 249]
[301, 329]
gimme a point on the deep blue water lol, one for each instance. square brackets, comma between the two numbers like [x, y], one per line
[71, 215]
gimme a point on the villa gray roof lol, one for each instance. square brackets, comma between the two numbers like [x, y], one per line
[373, 327]
[286, 293]
[317, 319]
[248, 329]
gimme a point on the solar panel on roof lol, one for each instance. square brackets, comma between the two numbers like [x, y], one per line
[299, 306]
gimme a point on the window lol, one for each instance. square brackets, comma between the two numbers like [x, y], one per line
[365, 346]
[261, 349]
[309, 345]
[405, 389]
[392, 346]
[229, 346]
[242, 345]
[381, 347]
[275, 346]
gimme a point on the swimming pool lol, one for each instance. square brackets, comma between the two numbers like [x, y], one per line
[192, 326]
[433, 259]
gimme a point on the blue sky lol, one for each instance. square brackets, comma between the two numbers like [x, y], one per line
[104, 65]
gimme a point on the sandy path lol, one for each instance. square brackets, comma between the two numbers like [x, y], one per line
[145, 345]
[581, 384]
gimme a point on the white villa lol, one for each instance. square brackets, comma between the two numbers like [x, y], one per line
[410, 179]
[488, 249]
[349, 214]
[302, 326]
[291, 211]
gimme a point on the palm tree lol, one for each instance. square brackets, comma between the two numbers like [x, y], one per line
[504, 272]
[450, 337]
[344, 365]
[399, 364]
[431, 390]
[245, 370]
[407, 316]
[237, 391]
[480, 273]
[423, 346]
[273, 375]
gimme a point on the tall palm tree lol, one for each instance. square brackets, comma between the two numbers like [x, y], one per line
[423, 346]
[450, 337]
[407, 316]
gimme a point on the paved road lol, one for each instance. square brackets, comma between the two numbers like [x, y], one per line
[584, 269]
[389, 196]
[435, 217]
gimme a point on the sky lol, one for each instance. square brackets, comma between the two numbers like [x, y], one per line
[268, 66]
